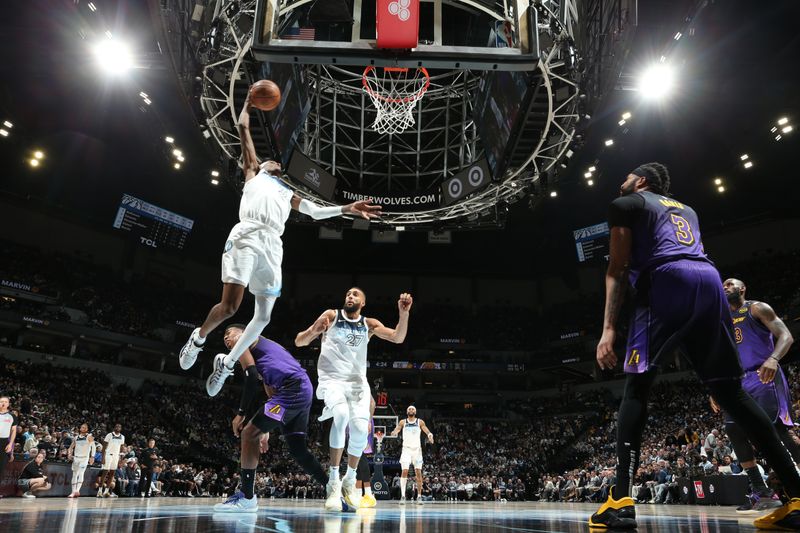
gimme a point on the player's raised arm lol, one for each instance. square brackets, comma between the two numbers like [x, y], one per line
[249, 157]
[398, 334]
[396, 431]
[361, 208]
[319, 326]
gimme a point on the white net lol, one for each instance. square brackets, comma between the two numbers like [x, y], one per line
[395, 93]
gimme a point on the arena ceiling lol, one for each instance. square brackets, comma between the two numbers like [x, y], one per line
[102, 141]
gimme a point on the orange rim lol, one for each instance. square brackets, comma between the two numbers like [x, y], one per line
[403, 100]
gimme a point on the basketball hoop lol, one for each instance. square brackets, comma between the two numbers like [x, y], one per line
[395, 93]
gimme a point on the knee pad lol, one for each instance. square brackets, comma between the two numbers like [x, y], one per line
[359, 427]
[341, 416]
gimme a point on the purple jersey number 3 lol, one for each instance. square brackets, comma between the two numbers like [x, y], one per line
[683, 231]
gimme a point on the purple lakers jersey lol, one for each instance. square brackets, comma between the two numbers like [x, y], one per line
[753, 339]
[663, 229]
[275, 364]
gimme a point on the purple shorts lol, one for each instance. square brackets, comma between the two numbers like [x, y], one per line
[682, 306]
[774, 398]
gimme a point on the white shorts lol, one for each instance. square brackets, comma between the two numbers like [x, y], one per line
[411, 456]
[111, 461]
[253, 259]
[334, 391]
[79, 463]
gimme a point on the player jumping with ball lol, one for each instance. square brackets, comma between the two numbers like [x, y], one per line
[253, 253]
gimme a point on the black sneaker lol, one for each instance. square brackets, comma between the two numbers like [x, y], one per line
[615, 514]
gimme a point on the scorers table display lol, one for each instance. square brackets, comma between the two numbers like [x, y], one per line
[156, 227]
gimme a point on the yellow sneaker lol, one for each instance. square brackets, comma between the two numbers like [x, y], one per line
[616, 514]
[785, 518]
[368, 500]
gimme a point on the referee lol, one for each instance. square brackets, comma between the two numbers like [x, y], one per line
[8, 433]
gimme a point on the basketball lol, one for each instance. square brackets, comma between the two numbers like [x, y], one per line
[265, 95]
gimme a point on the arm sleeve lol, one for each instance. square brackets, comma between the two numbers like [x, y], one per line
[318, 213]
[249, 389]
[623, 210]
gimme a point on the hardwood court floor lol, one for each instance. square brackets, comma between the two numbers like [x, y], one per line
[178, 515]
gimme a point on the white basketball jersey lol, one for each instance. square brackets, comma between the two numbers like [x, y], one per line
[266, 201]
[113, 443]
[344, 349]
[411, 435]
[83, 448]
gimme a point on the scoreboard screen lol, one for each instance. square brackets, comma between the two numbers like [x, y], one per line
[592, 242]
[155, 227]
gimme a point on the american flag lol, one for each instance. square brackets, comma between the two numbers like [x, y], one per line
[299, 34]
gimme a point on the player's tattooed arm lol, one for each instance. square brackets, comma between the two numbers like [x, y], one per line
[783, 339]
[425, 430]
[616, 278]
[319, 326]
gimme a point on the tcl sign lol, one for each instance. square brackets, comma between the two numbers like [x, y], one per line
[148, 242]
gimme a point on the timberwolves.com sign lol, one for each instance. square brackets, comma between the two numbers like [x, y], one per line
[415, 202]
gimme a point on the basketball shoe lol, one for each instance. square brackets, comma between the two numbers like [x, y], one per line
[785, 518]
[368, 500]
[237, 503]
[615, 514]
[217, 378]
[190, 350]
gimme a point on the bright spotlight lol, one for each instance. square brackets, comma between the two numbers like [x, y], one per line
[590, 183]
[3, 132]
[8, 124]
[587, 175]
[748, 164]
[181, 158]
[592, 168]
[553, 194]
[113, 56]
[169, 139]
[38, 154]
[720, 189]
[626, 115]
[743, 157]
[609, 142]
[34, 162]
[214, 182]
[718, 181]
[786, 129]
[214, 173]
[177, 153]
[656, 82]
[177, 166]
[782, 121]
[621, 122]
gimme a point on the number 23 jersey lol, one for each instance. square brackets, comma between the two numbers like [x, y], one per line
[344, 349]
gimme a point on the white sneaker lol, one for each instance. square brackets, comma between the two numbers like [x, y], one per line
[113, 495]
[351, 495]
[28, 494]
[402, 500]
[238, 504]
[217, 378]
[99, 493]
[334, 500]
[190, 351]
[419, 500]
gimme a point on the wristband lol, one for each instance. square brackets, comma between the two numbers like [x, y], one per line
[240, 412]
[773, 357]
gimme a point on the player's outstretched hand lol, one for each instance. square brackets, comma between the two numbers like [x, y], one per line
[363, 209]
[606, 357]
[404, 303]
[714, 405]
[430, 438]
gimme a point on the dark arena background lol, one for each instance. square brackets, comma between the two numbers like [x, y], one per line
[494, 135]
